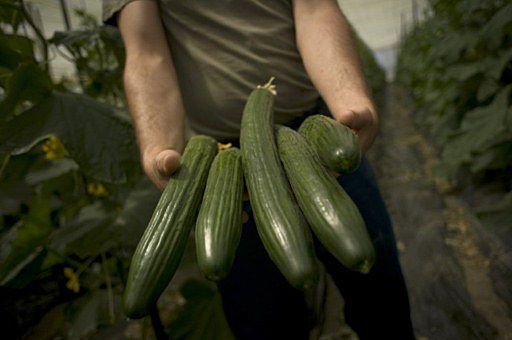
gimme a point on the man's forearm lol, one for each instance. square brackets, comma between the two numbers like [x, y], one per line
[325, 41]
[155, 103]
[152, 90]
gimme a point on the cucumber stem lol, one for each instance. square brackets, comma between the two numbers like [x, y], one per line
[221, 146]
[269, 86]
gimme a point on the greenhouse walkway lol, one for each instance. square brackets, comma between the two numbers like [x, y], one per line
[458, 273]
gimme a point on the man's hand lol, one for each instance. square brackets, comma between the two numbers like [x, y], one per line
[159, 165]
[152, 90]
[325, 42]
[365, 123]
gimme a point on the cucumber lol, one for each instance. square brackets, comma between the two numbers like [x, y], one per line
[280, 223]
[336, 144]
[331, 213]
[219, 224]
[161, 247]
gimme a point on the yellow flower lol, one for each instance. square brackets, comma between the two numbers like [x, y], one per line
[96, 189]
[53, 148]
[73, 283]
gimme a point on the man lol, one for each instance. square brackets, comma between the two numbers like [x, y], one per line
[193, 62]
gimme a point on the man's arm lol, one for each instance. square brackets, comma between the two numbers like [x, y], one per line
[325, 42]
[152, 90]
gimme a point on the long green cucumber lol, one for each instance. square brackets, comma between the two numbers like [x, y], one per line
[219, 224]
[161, 247]
[280, 223]
[331, 213]
[336, 144]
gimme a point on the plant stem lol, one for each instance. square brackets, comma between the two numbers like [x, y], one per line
[38, 32]
[156, 322]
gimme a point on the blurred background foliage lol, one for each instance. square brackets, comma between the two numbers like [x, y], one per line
[73, 200]
[457, 63]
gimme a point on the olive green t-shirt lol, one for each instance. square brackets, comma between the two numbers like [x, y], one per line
[222, 49]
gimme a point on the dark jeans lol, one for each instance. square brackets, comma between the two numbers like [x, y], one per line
[260, 304]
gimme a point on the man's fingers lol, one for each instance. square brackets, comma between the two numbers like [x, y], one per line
[363, 122]
[355, 120]
[166, 163]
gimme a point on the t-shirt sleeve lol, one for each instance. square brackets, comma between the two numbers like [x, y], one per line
[110, 9]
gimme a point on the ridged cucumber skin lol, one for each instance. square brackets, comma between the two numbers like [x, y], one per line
[336, 144]
[161, 247]
[280, 223]
[331, 213]
[219, 224]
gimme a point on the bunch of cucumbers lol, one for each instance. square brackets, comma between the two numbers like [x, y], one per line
[291, 186]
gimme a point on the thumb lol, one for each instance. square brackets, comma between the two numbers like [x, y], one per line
[166, 163]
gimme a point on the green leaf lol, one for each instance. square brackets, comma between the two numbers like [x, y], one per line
[15, 49]
[492, 31]
[496, 157]
[94, 231]
[100, 238]
[442, 127]
[87, 318]
[9, 58]
[487, 88]
[136, 212]
[202, 316]
[113, 42]
[458, 148]
[52, 169]
[91, 312]
[73, 37]
[498, 217]
[69, 238]
[27, 83]
[509, 119]
[504, 205]
[491, 118]
[29, 269]
[11, 16]
[79, 38]
[463, 72]
[98, 136]
[12, 194]
[495, 65]
[90, 234]
[469, 6]
[25, 241]
[480, 129]
[451, 47]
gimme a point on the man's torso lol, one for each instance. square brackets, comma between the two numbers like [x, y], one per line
[222, 49]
